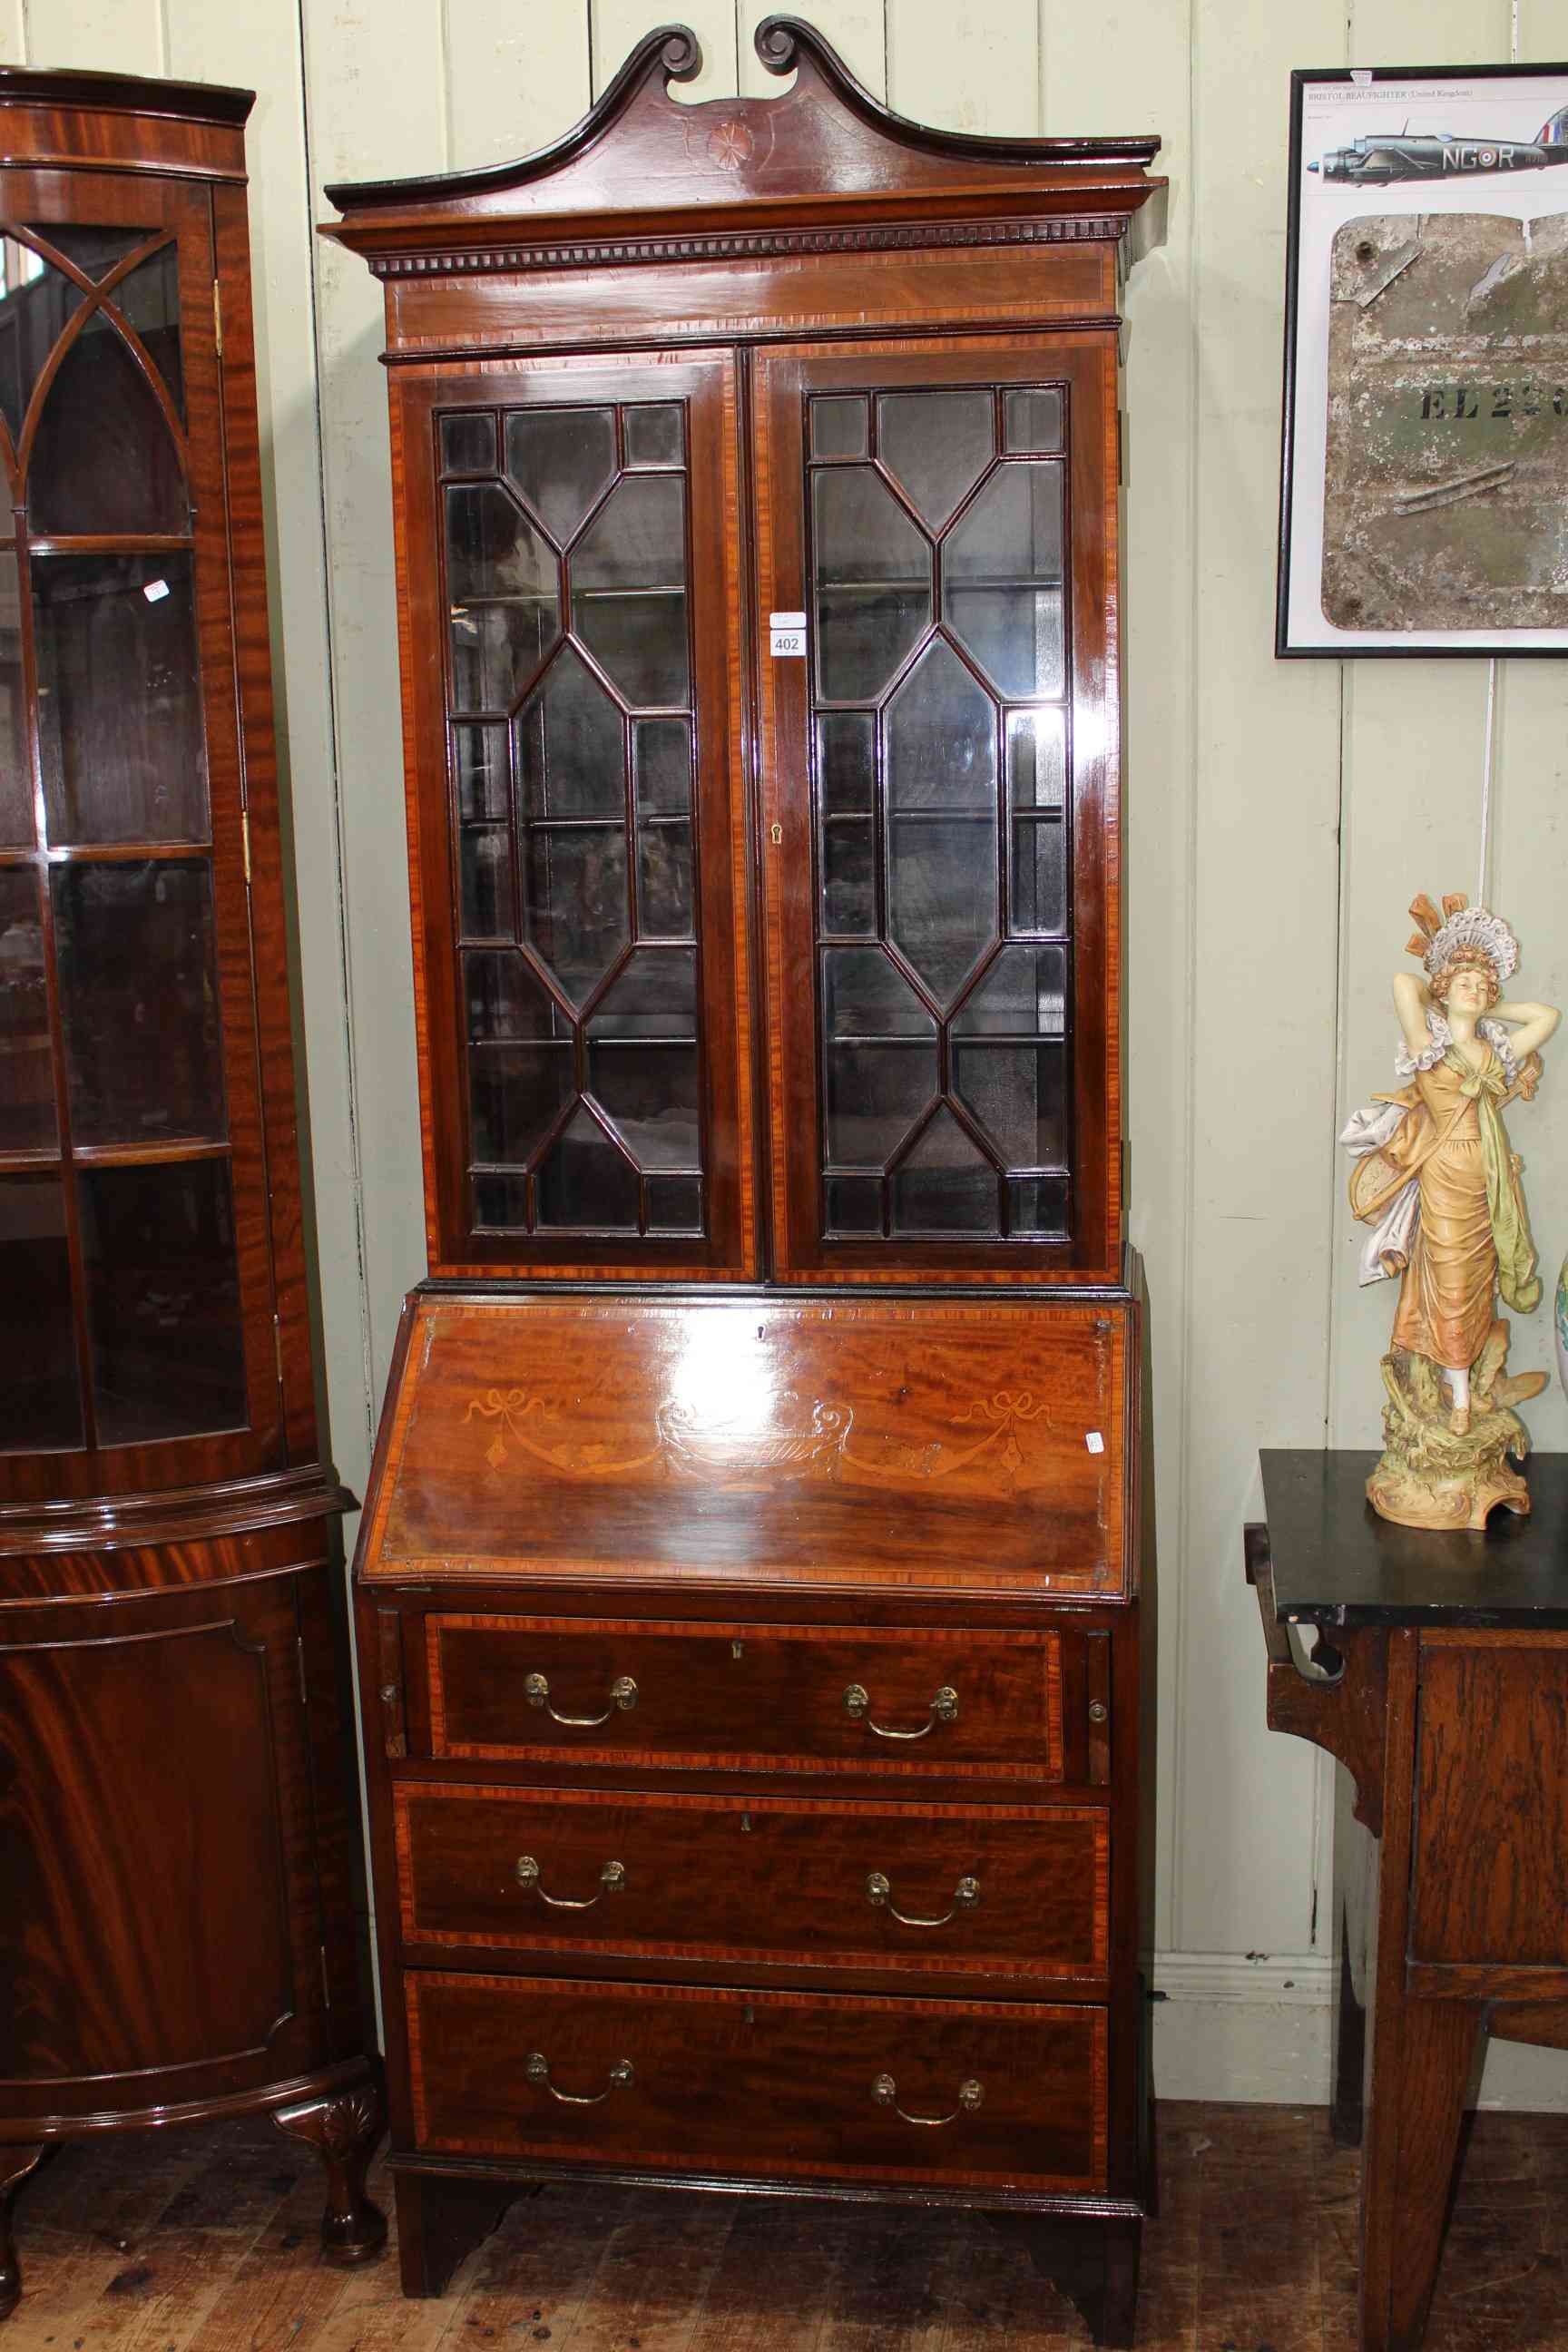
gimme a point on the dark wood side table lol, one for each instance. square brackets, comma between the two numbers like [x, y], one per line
[1439, 1678]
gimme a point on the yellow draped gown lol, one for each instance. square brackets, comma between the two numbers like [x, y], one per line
[1447, 1298]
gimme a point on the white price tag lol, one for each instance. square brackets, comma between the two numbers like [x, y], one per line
[786, 635]
[1095, 1442]
[155, 591]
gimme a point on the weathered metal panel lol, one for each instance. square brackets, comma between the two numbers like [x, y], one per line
[1447, 490]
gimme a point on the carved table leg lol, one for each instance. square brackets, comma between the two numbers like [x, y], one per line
[1119, 2312]
[439, 2223]
[1422, 2055]
[344, 2128]
[16, 2163]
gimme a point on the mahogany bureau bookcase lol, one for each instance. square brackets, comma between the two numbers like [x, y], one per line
[179, 1939]
[749, 1588]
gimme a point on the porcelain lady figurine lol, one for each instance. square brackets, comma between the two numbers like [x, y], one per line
[1436, 1180]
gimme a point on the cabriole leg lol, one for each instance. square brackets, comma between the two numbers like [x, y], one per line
[343, 2130]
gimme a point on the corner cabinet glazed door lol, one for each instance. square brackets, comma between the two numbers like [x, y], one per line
[569, 555]
[136, 1305]
[939, 806]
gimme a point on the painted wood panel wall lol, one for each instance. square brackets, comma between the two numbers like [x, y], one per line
[1281, 814]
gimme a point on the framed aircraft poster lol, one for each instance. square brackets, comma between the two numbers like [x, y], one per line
[1424, 496]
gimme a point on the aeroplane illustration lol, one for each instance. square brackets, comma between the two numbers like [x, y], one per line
[1383, 156]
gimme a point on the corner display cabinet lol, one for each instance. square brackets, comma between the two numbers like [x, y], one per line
[749, 1587]
[177, 1937]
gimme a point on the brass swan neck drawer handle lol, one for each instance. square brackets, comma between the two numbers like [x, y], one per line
[943, 1709]
[612, 1881]
[970, 2095]
[880, 1892]
[623, 1695]
[538, 2072]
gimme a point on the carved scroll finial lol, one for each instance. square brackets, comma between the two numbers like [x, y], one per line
[681, 53]
[778, 43]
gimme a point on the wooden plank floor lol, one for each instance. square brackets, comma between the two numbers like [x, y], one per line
[207, 2242]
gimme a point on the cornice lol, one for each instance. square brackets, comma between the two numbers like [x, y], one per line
[744, 244]
[111, 93]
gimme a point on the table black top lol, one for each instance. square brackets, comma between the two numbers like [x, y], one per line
[1337, 1563]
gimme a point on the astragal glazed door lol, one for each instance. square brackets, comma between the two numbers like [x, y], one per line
[935, 782]
[137, 1300]
[584, 996]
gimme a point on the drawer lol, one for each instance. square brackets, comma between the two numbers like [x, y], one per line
[763, 2084]
[747, 1698]
[996, 1890]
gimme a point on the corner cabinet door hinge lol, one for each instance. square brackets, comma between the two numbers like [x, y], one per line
[217, 315]
[300, 1661]
[244, 841]
[326, 1981]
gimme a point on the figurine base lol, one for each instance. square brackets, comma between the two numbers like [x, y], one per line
[1428, 1503]
[1435, 1476]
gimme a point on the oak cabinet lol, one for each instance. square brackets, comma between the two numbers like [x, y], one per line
[750, 1582]
[178, 1934]
[1437, 1675]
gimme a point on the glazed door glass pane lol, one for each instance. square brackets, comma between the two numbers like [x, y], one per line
[940, 737]
[40, 1390]
[117, 1240]
[147, 299]
[566, 577]
[138, 1001]
[107, 453]
[158, 1253]
[28, 1120]
[39, 302]
[118, 711]
[120, 739]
